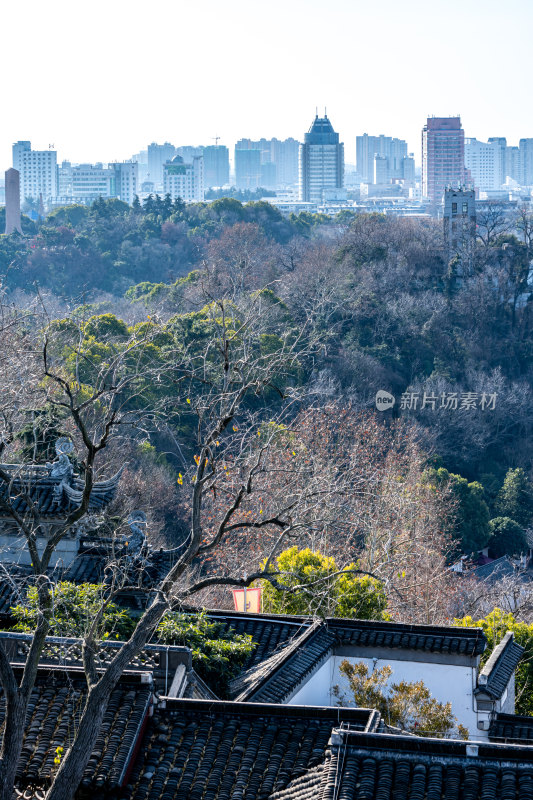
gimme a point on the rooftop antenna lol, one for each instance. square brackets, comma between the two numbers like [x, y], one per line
[316, 111]
[215, 139]
[325, 112]
[51, 146]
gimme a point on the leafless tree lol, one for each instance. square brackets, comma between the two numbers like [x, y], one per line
[492, 222]
[244, 367]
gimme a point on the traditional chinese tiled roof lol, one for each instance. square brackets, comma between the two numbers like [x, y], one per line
[496, 674]
[362, 766]
[307, 787]
[53, 492]
[90, 566]
[224, 751]
[270, 632]
[511, 728]
[55, 706]
[428, 638]
[276, 678]
[494, 570]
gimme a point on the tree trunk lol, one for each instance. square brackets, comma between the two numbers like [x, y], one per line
[70, 772]
[12, 743]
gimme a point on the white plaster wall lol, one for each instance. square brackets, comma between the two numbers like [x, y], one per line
[15, 549]
[446, 682]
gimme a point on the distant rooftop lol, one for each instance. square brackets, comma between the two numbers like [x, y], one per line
[321, 132]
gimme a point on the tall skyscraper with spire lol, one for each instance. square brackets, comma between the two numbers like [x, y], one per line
[321, 163]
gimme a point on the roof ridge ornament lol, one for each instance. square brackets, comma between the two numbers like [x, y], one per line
[61, 469]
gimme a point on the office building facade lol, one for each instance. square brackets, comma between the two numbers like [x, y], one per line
[86, 182]
[321, 162]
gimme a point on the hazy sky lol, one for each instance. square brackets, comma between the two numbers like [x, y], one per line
[102, 79]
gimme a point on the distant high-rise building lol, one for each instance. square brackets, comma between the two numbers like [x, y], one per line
[142, 165]
[247, 167]
[381, 169]
[184, 180]
[501, 143]
[189, 152]
[408, 169]
[216, 165]
[483, 162]
[443, 156]
[126, 181]
[12, 188]
[284, 154]
[159, 154]
[526, 162]
[263, 145]
[513, 164]
[268, 175]
[38, 172]
[393, 150]
[321, 163]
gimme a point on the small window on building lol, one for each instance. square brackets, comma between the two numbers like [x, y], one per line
[465, 208]
[454, 208]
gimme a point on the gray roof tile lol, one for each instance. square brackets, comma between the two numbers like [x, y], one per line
[497, 672]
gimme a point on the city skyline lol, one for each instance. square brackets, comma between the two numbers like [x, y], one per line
[374, 74]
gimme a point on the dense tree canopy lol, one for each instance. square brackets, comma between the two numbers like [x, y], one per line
[323, 589]
[495, 625]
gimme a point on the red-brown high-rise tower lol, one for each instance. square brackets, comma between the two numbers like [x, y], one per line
[443, 156]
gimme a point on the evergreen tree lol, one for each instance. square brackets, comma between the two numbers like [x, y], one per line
[515, 498]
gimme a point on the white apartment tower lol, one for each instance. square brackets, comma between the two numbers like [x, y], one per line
[483, 161]
[183, 180]
[38, 172]
[125, 180]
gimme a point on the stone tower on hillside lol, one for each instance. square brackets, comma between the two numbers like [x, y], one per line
[13, 201]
